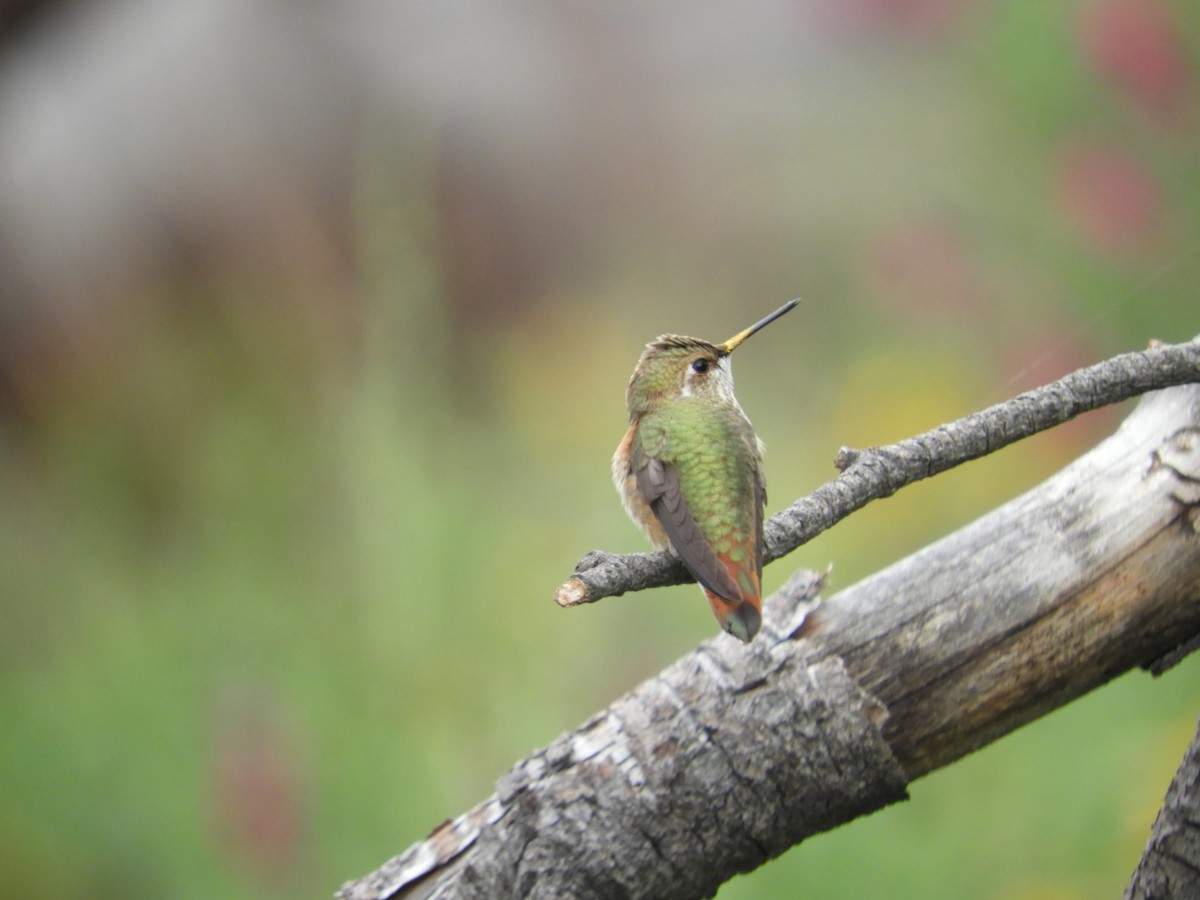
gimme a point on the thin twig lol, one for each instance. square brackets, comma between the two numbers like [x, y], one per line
[879, 472]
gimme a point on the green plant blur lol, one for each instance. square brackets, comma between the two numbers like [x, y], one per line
[272, 611]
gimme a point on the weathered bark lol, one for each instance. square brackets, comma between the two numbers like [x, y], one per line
[1095, 571]
[1170, 866]
[722, 761]
[734, 753]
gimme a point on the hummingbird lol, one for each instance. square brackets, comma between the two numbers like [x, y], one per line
[689, 470]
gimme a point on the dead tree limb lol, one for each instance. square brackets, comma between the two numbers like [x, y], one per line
[1170, 866]
[879, 472]
[735, 753]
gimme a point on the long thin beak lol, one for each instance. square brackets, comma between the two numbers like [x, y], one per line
[730, 345]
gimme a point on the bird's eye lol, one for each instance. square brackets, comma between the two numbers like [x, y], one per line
[700, 365]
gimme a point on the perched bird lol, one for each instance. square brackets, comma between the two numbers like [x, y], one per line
[689, 470]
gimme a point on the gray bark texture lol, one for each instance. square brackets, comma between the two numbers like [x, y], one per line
[735, 753]
[1170, 865]
[719, 763]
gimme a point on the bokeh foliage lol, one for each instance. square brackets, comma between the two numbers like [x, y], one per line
[277, 580]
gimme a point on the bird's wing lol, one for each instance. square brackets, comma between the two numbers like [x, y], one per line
[658, 483]
[760, 503]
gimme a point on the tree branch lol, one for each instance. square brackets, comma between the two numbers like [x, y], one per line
[881, 471]
[1170, 866]
[736, 752]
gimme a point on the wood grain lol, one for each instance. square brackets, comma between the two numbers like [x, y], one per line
[733, 754]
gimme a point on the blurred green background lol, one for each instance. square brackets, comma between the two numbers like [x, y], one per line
[315, 325]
